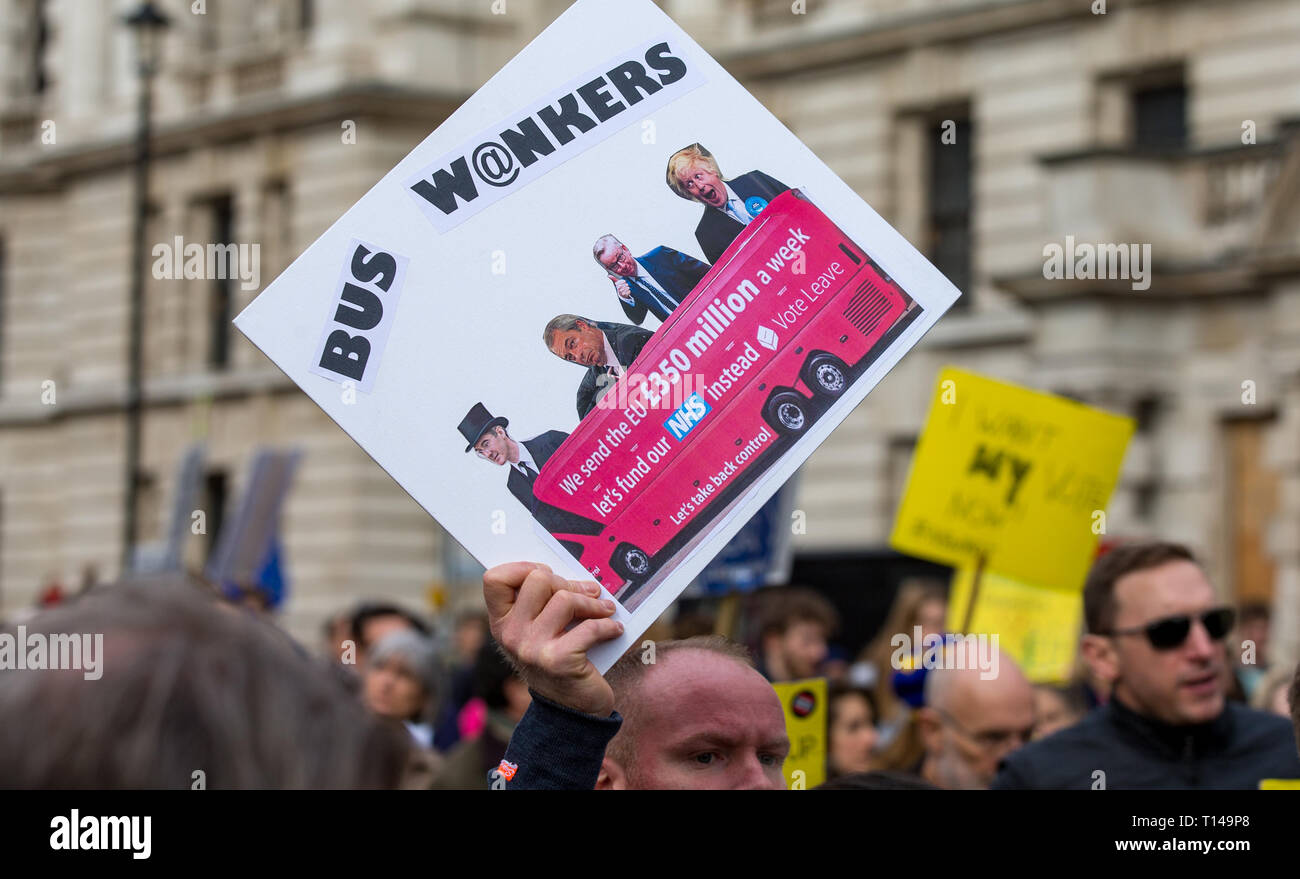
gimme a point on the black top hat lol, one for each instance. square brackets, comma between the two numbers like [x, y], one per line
[478, 422]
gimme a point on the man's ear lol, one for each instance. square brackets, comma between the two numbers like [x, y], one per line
[1100, 654]
[930, 728]
[612, 776]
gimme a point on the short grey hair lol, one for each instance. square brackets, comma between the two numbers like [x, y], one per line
[563, 323]
[604, 243]
[194, 683]
[415, 651]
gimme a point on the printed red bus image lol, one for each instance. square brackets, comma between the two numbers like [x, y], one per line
[780, 327]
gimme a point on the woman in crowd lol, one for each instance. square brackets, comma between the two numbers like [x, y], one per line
[401, 683]
[920, 603]
[1272, 692]
[851, 724]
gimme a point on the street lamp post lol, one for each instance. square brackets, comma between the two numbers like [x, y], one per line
[147, 24]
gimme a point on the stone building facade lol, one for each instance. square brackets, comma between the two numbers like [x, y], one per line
[983, 129]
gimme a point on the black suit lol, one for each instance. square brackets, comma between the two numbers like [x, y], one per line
[627, 342]
[717, 228]
[553, 519]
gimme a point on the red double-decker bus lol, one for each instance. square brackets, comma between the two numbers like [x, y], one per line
[774, 334]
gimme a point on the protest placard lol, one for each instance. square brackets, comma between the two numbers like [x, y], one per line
[1011, 481]
[585, 322]
[806, 711]
[1039, 628]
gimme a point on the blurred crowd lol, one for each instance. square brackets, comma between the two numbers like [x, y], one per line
[1165, 693]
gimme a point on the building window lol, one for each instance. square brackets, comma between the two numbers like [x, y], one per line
[770, 13]
[3, 304]
[24, 37]
[221, 301]
[1252, 502]
[949, 202]
[1160, 116]
[215, 491]
[148, 511]
[276, 230]
[1145, 412]
[458, 566]
[898, 464]
[41, 38]
[1145, 496]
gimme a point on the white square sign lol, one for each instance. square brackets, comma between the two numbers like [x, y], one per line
[601, 314]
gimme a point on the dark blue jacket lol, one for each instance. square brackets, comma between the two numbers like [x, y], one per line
[717, 229]
[557, 748]
[675, 272]
[553, 519]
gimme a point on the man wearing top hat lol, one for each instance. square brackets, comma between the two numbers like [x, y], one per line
[488, 438]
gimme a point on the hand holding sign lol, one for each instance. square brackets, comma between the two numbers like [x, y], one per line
[623, 289]
[530, 610]
[755, 359]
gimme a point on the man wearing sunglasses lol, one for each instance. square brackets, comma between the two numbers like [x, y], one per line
[1157, 638]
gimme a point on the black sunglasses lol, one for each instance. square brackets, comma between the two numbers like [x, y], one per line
[1170, 632]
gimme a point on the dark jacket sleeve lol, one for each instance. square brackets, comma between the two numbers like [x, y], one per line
[690, 271]
[714, 232]
[1011, 776]
[557, 748]
[776, 186]
[635, 313]
[635, 341]
[586, 398]
[542, 446]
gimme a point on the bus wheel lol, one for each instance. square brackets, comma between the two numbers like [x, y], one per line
[826, 374]
[631, 562]
[787, 412]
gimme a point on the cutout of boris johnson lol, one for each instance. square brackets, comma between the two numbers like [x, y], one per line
[655, 282]
[729, 205]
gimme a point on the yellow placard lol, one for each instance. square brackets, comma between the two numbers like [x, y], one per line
[1279, 784]
[1019, 477]
[805, 708]
[1038, 628]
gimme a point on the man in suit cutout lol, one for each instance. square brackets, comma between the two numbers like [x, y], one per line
[607, 350]
[729, 205]
[656, 281]
[488, 438]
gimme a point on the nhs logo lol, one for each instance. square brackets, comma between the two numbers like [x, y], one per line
[689, 414]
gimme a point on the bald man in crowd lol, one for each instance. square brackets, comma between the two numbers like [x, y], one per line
[970, 723]
[690, 714]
